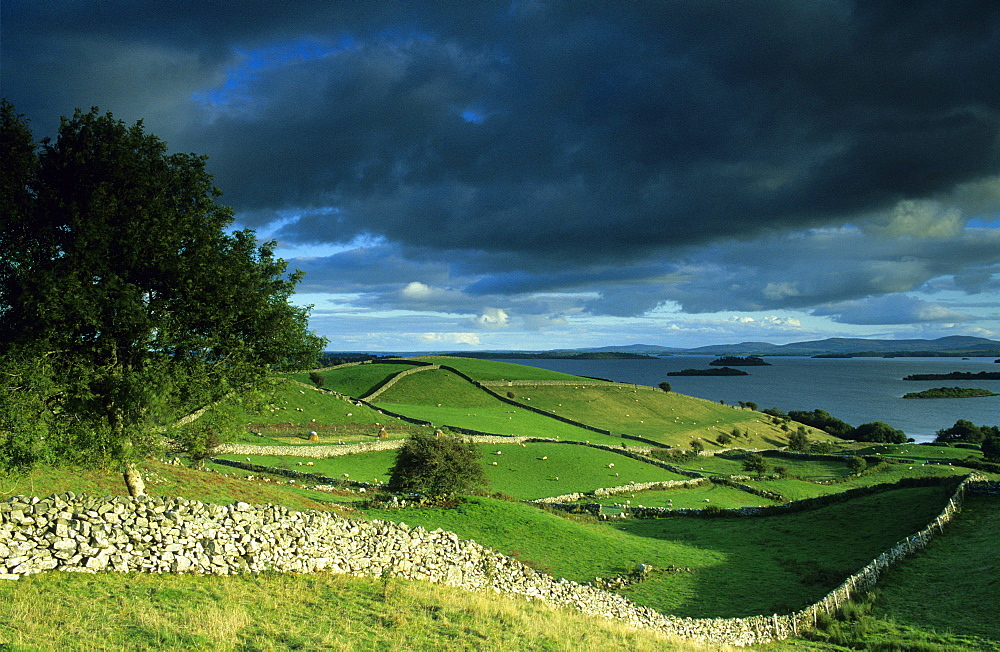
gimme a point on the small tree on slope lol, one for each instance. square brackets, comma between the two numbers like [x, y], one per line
[437, 467]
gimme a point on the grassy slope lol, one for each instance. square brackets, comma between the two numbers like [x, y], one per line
[671, 418]
[161, 480]
[953, 584]
[288, 412]
[520, 471]
[741, 566]
[290, 612]
[443, 398]
[686, 498]
[355, 380]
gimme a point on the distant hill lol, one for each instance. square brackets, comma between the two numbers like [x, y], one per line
[953, 346]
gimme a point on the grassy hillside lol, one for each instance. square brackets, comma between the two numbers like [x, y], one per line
[442, 397]
[732, 566]
[287, 412]
[355, 380]
[670, 418]
[291, 612]
[739, 566]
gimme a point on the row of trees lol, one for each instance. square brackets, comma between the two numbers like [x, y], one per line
[125, 301]
[876, 431]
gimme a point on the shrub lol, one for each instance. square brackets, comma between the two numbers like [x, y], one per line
[665, 386]
[798, 441]
[437, 467]
[317, 379]
[756, 464]
[991, 449]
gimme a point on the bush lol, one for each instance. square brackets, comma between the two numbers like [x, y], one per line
[991, 449]
[665, 386]
[798, 441]
[437, 467]
[756, 464]
[317, 379]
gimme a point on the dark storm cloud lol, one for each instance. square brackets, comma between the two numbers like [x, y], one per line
[544, 146]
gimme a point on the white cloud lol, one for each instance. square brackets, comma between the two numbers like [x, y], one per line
[470, 339]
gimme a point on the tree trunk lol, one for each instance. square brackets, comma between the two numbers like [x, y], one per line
[133, 480]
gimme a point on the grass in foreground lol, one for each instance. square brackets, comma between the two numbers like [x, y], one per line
[290, 612]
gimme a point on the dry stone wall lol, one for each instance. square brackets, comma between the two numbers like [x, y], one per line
[150, 534]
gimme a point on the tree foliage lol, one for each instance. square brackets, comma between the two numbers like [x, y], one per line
[822, 420]
[437, 466]
[991, 448]
[756, 464]
[798, 440]
[878, 431]
[119, 279]
[966, 431]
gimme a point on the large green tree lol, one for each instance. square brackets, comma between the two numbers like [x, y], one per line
[119, 278]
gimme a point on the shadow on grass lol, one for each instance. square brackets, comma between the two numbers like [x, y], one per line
[779, 564]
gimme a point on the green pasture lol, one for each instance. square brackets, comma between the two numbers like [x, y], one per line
[490, 370]
[541, 470]
[289, 411]
[363, 467]
[813, 470]
[919, 452]
[443, 398]
[714, 495]
[953, 584]
[707, 465]
[502, 419]
[667, 417]
[739, 566]
[355, 380]
[793, 489]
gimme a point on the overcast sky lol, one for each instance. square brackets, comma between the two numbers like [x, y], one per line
[531, 174]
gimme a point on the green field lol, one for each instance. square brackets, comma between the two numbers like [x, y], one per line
[735, 566]
[740, 566]
[522, 472]
[684, 498]
[288, 412]
[355, 380]
[670, 418]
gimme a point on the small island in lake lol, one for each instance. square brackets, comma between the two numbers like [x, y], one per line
[722, 371]
[951, 392]
[737, 361]
[956, 375]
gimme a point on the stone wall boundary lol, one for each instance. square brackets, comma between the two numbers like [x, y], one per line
[157, 535]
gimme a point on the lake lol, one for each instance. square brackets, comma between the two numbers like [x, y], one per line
[856, 390]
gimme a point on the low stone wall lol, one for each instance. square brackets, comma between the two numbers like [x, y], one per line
[149, 534]
[623, 489]
[316, 452]
[158, 535]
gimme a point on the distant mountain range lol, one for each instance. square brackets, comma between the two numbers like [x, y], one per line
[954, 346]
